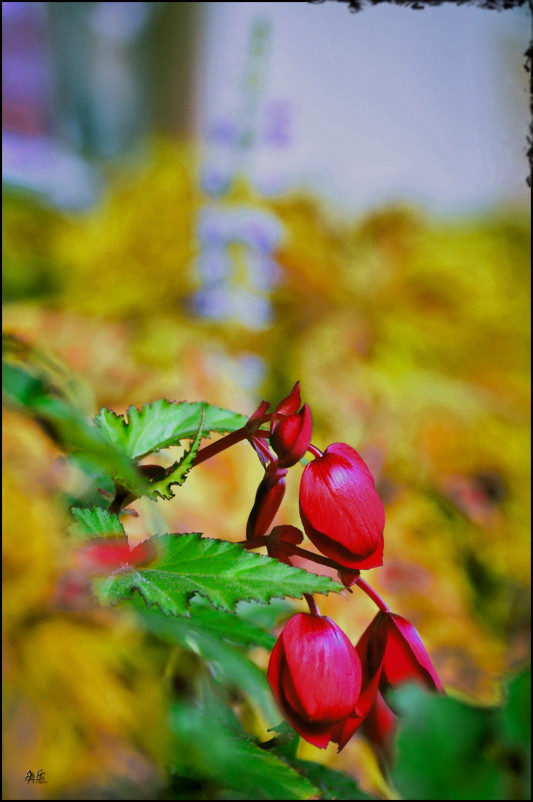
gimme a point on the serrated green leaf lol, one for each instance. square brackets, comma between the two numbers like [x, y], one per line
[177, 474]
[223, 572]
[163, 423]
[333, 784]
[95, 522]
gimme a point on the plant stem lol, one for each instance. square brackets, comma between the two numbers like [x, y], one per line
[313, 609]
[371, 593]
[215, 448]
[256, 542]
[225, 442]
[314, 450]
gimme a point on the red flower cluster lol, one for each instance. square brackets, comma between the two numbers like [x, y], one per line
[326, 687]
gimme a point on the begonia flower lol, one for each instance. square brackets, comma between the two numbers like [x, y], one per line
[291, 429]
[315, 676]
[406, 658]
[340, 509]
[391, 653]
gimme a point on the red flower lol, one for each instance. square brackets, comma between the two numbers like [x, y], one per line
[340, 509]
[406, 658]
[291, 429]
[315, 675]
[391, 653]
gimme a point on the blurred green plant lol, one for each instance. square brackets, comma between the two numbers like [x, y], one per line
[447, 749]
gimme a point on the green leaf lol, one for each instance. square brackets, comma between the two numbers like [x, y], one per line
[223, 572]
[66, 424]
[162, 423]
[228, 625]
[265, 615]
[200, 634]
[445, 748]
[516, 715]
[243, 769]
[333, 784]
[177, 473]
[95, 522]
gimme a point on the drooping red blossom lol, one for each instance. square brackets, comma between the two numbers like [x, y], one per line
[291, 429]
[315, 676]
[340, 509]
[406, 658]
[268, 498]
[391, 654]
[392, 641]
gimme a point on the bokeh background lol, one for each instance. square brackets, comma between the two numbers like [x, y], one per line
[210, 201]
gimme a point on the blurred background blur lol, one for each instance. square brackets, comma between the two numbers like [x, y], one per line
[210, 201]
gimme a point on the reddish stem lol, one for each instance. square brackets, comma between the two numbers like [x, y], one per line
[256, 542]
[371, 593]
[313, 609]
[226, 442]
[314, 450]
[215, 448]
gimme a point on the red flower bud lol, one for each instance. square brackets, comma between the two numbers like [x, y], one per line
[391, 653]
[291, 436]
[279, 538]
[315, 675]
[406, 658]
[289, 405]
[290, 432]
[392, 644]
[340, 509]
[268, 498]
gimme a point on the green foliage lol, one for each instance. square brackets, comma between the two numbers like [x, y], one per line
[232, 626]
[30, 391]
[223, 572]
[161, 424]
[447, 749]
[220, 639]
[95, 522]
[331, 784]
[238, 767]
